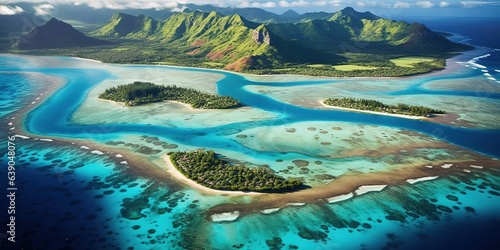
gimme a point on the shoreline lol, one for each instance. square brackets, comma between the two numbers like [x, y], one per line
[122, 104]
[176, 174]
[356, 184]
[374, 112]
[249, 74]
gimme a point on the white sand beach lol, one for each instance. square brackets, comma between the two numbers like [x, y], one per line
[169, 167]
[369, 188]
[446, 166]
[295, 204]
[97, 152]
[229, 216]
[340, 198]
[373, 112]
[270, 210]
[413, 181]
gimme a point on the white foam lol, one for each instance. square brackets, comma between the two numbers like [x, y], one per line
[84, 147]
[270, 210]
[119, 156]
[33, 102]
[477, 65]
[429, 178]
[229, 216]
[338, 198]
[10, 124]
[484, 70]
[487, 74]
[296, 204]
[467, 170]
[369, 188]
[480, 57]
[21, 136]
[491, 78]
[97, 152]
[46, 140]
[497, 70]
[446, 165]
[429, 166]
[476, 166]
[124, 162]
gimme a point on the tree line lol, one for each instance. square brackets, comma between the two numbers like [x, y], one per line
[206, 169]
[373, 105]
[138, 93]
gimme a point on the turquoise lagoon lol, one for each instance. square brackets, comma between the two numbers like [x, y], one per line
[70, 196]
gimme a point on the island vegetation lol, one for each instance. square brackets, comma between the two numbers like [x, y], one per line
[138, 93]
[206, 169]
[373, 105]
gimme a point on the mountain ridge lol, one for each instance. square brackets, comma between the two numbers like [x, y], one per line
[242, 44]
[55, 34]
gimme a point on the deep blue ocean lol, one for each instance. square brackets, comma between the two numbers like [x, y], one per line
[71, 198]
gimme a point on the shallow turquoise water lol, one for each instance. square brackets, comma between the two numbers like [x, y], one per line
[88, 201]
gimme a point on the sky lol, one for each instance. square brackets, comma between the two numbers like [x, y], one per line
[384, 8]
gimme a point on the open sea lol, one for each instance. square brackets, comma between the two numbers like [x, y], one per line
[71, 196]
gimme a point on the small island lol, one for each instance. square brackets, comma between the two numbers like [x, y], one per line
[376, 106]
[138, 93]
[206, 169]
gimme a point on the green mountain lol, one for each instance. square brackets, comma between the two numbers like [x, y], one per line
[124, 25]
[240, 44]
[230, 40]
[55, 34]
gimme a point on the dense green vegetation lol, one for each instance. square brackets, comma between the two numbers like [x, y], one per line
[373, 105]
[206, 169]
[138, 93]
[381, 68]
[202, 39]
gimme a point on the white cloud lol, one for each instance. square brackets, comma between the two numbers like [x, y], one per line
[472, 4]
[361, 4]
[336, 3]
[401, 5]
[425, 4]
[246, 4]
[300, 3]
[268, 5]
[44, 9]
[444, 4]
[319, 3]
[7, 10]
[371, 3]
